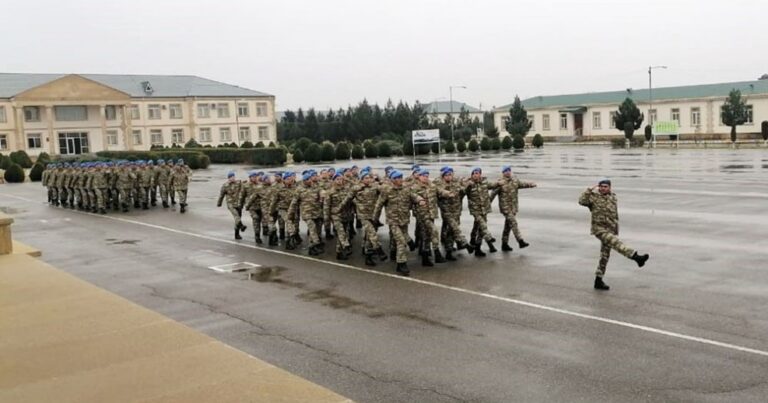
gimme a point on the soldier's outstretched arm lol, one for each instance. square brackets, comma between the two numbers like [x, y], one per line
[525, 185]
[380, 202]
[494, 193]
[222, 193]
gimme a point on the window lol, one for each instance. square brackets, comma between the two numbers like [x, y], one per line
[205, 135]
[135, 115]
[154, 111]
[245, 134]
[203, 110]
[32, 113]
[110, 112]
[222, 110]
[261, 109]
[749, 113]
[111, 137]
[3, 141]
[73, 143]
[263, 133]
[137, 137]
[73, 113]
[3, 117]
[696, 116]
[34, 140]
[545, 121]
[612, 123]
[175, 111]
[652, 116]
[156, 136]
[177, 136]
[225, 134]
[242, 110]
[533, 122]
[597, 120]
[675, 115]
[504, 122]
[563, 121]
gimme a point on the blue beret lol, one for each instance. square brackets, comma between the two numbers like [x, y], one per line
[353, 167]
[364, 173]
[388, 168]
[230, 174]
[423, 172]
[180, 161]
[337, 175]
[415, 167]
[446, 171]
[476, 169]
[506, 168]
[161, 161]
[331, 169]
[604, 181]
[260, 173]
[251, 174]
[307, 176]
[149, 162]
[395, 174]
[287, 175]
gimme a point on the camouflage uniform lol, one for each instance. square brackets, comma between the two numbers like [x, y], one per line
[61, 193]
[335, 210]
[180, 182]
[162, 180]
[282, 194]
[146, 182]
[231, 191]
[44, 180]
[398, 202]
[307, 201]
[605, 226]
[125, 179]
[426, 215]
[479, 204]
[247, 192]
[262, 197]
[67, 183]
[507, 189]
[99, 186]
[365, 197]
[450, 203]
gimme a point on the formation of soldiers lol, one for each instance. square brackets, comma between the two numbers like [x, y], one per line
[341, 203]
[98, 186]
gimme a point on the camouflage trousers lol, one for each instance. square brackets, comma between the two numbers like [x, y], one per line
[100, 195]
[342, 236]
[163, 190]
[480, 229]
[61, 193]
[182, 193]
[313, 229]
[267, 221]
[399, 234]
[284, 222]
[125, 196]
[510, 223]
[609, 241]
[370, 237]
[450, 231]
[143, 195]
[70, 195]
[234, 210]
[430, 238]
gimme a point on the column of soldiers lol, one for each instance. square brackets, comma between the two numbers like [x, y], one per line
[118, 185]
[341, 203]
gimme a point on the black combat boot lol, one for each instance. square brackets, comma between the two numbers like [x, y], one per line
[358, 223]
[281, 233]
[369, 259]
[382, 255]
[479, 250]
[426, 259]
[412, 245]
[237, 233]
[183, 208]
[348, 250]
[165, 204]
[257, 237]
[273, 238]
[154, 203]
[173, 201]
[522, 244]
[449, 256]
[136, 204]
[505, 247]
[264, 231]
[402, 268]
[600, 285]
[491, 248]
[125, 208]
[145, 206]
[438, 256]
[328, 233]
[640, 259]
[290, 244]
[297, 238]
[393, 254]
[102, 211]
[341, 256]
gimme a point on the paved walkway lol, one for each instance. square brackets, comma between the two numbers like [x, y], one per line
[66, 340]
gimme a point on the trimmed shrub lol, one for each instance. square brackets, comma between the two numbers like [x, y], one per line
[298, 156]
[20, 157]
[648, 132]
[246, 144]
[272, 144]
[14, 174]
[538, 141]
[473, 146]
[37, 172]
[205, 161]
[43, 158]
[371, 149]
[313, 153]
[192, 144]
[764, 129]
[506, 143]
[342, 151]
[485, 144]
[383, 149]
[260, 144]
[358, 152]
[193, 161]
[461, 146]
[518, 142]
[495, 144]
[407, 146]
[449, 147]
[5, 162]
[327, 151]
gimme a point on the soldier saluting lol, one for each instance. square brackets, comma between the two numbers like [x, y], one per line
[605, 226]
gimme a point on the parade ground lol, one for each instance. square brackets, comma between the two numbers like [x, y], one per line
[527, 325]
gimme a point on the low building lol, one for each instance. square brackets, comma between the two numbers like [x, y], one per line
[439, 110]
[85, 113]
[695, 109]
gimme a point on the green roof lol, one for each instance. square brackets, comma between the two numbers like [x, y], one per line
[659, 94]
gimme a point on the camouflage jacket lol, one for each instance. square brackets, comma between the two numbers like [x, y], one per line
[99, 180]
[478, 199]
[336, 202]
[263, 196]
[398, 202]
[230, 191]
[308, 201]
[450, 196]
[125, 178]
[365, 200]
[146, 177]
[428, 192]
[247, 192]
[180, 178]
[507, 193]
[604, 208]
[163, 175]
[281, 197]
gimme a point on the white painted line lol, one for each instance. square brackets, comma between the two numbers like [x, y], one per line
[234, 267]
[548, 308]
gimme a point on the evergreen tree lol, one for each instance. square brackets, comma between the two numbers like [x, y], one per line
[518, 119]
[628, 118]
[734, 112]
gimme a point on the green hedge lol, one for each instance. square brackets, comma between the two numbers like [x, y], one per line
[537, 141]
[20, 157]
[36, 174]
[506, 143]
[518, 142]
[14, 174]
[357, 152]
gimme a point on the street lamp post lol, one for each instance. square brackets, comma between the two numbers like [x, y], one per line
[450, 90]
[650, 92]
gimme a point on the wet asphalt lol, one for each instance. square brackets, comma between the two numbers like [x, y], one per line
[519, 326]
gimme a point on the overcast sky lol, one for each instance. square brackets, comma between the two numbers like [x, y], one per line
[334, 53]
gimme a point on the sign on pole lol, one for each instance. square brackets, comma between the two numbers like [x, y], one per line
[424, 137]
[668, 128]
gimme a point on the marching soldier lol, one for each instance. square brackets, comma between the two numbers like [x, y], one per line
[479, 205]
[449, 201]
[397, 199]
[231, 191]
[425, 216]
[281, 200]
[605, 226]
[365, 196]
[307, 201]
[335, 204]
[507, 189]
[180, 182]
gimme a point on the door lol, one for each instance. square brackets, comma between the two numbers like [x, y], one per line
[73, 143]
[578, 124]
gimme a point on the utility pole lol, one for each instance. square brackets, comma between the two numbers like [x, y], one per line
[450, 90]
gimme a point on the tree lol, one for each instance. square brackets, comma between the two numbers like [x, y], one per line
[492, 132]
[311, 125]
[20, 157]
[518, 142]
[342, 151]
[313, 153]
[260, 144]
[371, 151]
[327, 151]
[763, 77]
[246, 144]
[518, 122]
[44, 158]
[192, 143]
[506, 142]
[734, 112]
[384, 149]
[298, 156]
[14, 174]
[357, 152]
[473, 146]
[461, 146]
[495, 144]
[628, 118]
[37, 172]
[449, 147]
[485, 144]
[648, 132]
[538, 141]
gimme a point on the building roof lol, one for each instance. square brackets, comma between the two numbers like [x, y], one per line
[659, 94]
[12, 84]
[445, 107]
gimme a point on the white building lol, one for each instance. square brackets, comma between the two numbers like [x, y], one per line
[695, 108]
[439, 110]
[74, 114]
